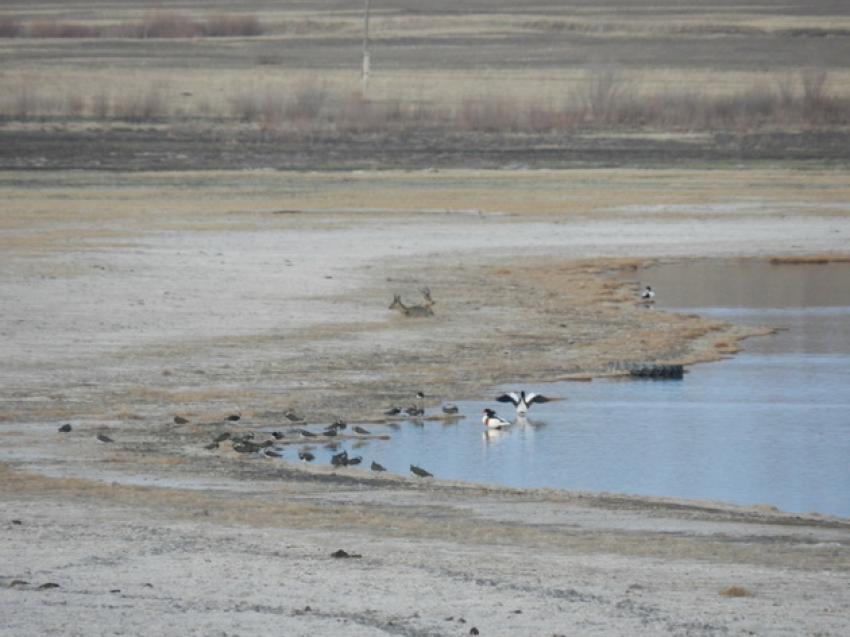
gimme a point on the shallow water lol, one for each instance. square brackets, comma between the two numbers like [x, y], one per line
[769, 426]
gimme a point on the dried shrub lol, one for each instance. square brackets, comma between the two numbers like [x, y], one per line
[142, 106]
[162, 24]
[59, 29]
[9, 27]
[233, 26]
[100, 106]
[307, 102]
[25, 103]
[489, 114]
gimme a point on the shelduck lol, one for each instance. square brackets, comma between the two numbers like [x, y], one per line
[522, 401]
[493, 421]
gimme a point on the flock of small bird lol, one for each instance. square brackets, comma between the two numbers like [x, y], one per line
[271, 447]
[245, 443]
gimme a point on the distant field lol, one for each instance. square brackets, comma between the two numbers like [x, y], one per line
[271, 72]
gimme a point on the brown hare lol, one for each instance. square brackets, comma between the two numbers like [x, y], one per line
[410, 310]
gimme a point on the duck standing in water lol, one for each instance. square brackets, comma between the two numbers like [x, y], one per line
[647, 295]
[492, 421]
[522, 401]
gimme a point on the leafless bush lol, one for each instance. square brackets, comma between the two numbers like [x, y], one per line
[233, 25]
[9, 27]
[141, 106]
[245, 107]
[162, 24]
[604, 88]
[785, 83]
[25, 102]
[489, 114]
[357, 114]
[307, 102]
[73, 106]
[60, 29]
[100, 106]
[814, 84]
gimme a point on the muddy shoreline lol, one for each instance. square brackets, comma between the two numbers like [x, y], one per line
[202, 316]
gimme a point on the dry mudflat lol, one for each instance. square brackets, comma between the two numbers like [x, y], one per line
[130, 300]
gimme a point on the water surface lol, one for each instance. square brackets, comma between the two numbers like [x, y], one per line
[769, 426]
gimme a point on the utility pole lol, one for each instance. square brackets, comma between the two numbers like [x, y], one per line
[366, 50]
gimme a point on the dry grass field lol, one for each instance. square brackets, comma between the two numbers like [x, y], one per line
[130, 85]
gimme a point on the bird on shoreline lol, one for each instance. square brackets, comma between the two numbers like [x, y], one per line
[377, 467]
[493, 421]
[419, 471]
[522, 401]
[647, 294]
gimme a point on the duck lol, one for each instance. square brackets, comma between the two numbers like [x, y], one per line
[493, 421]
[647, 294]
[522, 401]
[340, 459]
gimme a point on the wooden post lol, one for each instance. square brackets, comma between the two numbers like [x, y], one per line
[366, 50]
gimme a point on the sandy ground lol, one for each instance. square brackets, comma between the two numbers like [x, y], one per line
[155, 535]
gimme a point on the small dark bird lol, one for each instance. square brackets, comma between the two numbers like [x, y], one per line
[393, 411]
[450, 409]
[355, 460]
[330, 431]
[246, 446]
[378, 467]
[522, 401]
[358, 429]
[339, 425]
[306, 456]
[294, 417]
[420, 395]
[104, 438]
[180, 420]
[278, 435]
[340, 459]
[306, 434]
[414, 410]
[65, 428]
[419, 471]
[211, 446]
[234, 417]
[222, 437]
